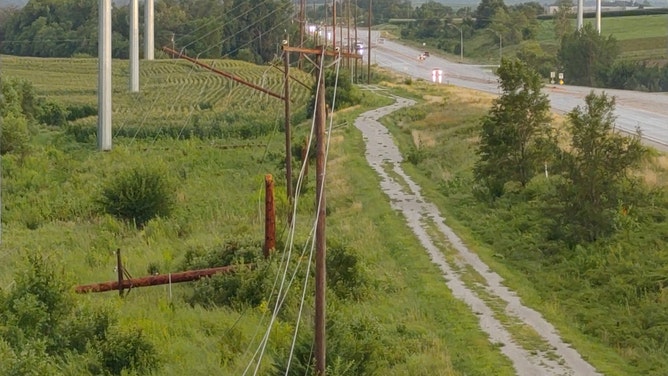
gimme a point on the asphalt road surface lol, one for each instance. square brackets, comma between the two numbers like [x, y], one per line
[635, 110]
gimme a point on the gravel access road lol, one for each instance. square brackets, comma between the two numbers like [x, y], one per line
[442, 244]
[647, 112]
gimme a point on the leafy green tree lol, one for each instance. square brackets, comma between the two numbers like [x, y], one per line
[597, 166]
[486, 11]
[534, 56]
[515, 131]
[346, 93]
[586, 56]
[259, 27]
[562, 19]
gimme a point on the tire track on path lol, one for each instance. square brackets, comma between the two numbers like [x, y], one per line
[424, 219]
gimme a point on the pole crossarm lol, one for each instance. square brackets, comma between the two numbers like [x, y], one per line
[154, 280]
[293, 78]
[220, 72]
[319, 51]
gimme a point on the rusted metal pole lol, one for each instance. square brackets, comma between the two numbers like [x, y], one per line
[320, 247]
[119, 270]
[224, 74]
[288, 130]
[269, 217]
[154, 280]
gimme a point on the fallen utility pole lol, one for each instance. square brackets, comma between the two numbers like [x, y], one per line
[154, 280]
[222, 73]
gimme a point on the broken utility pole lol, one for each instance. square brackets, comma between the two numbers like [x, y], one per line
[154, 280]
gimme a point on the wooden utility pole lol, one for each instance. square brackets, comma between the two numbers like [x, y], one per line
[154, 280]
[269, 217]
[320, 247]
[320, 250]
[288, 128]
[348, 29]
[119, 270]
[302, 25]
[355, 22]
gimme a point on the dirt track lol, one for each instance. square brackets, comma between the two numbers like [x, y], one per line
[430, 228]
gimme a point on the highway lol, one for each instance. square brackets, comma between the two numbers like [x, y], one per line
[634, 110]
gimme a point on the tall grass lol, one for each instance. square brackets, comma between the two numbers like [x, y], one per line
[407, 323]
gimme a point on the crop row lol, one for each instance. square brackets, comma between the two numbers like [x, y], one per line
[173, 92]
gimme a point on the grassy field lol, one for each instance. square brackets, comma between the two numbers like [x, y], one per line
[639, 37]
[406, 323]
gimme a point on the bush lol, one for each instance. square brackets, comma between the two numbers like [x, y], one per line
[52, 113]
[15, 134]
[128, 351]
[75, 112]
[138, 195]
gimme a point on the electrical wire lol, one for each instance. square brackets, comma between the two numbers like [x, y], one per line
[282, 293]
[329, 135]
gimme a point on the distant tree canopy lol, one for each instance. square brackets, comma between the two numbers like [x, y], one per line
[206, 28]
[486, 11]
[586, 56]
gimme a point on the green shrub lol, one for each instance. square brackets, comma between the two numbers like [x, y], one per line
[52, 113]
[346, 275]
[75, 112]
[138, 195]
[128, 350]
[15, 135]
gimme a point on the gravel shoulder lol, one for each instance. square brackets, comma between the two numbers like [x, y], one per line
[500, 312]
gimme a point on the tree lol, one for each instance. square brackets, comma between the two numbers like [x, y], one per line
[258, 27]
[515, 130]
[597, 166]
[586, 56]
[562, 22]
[486, 10]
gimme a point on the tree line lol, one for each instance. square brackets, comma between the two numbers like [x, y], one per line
[584, 56]
[207, 28]
[591, 187]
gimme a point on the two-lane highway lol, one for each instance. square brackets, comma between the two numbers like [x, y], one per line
[634, 110]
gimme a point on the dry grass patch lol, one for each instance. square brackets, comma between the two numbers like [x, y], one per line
[423, 138]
